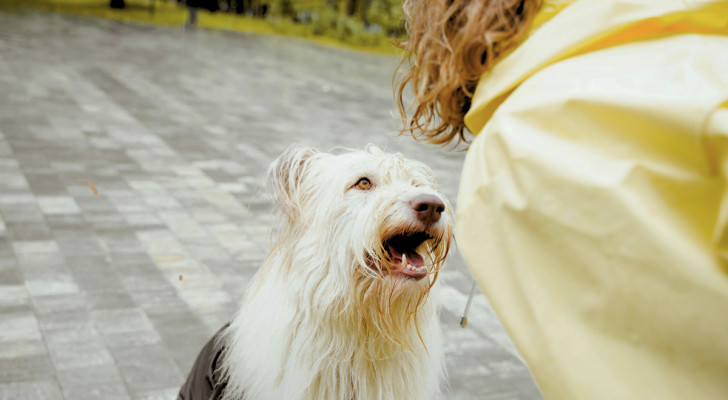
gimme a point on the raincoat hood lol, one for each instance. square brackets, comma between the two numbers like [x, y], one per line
[566, 28]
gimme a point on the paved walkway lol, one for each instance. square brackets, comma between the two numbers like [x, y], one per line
[131, 155]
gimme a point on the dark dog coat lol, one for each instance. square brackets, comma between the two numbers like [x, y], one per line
[205, 381]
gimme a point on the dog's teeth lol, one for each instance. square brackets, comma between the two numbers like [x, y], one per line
[404, 260]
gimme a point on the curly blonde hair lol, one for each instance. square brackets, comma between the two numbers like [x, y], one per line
[450, 44]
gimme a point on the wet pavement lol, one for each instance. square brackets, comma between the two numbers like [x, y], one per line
[131, 209]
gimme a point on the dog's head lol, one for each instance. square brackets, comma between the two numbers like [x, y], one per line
[363, 238]
[348, 311]
[379, 213]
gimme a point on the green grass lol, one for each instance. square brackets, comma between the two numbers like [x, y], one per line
[171, 13]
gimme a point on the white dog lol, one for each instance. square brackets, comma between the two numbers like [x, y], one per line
[340, 309]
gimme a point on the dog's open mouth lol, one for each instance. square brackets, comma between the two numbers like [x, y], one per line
[403, 256]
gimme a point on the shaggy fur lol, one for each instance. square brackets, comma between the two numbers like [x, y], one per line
[329, 315]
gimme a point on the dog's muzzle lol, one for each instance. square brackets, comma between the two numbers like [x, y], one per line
[402, 247]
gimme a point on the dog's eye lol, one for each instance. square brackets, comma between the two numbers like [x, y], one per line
[364, 184]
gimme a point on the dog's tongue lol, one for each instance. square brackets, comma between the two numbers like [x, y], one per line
[413, 258]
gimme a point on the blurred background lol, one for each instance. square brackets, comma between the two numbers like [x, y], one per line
[368, 24]
[133, 144]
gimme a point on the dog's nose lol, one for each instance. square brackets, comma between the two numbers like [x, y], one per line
[428, 208]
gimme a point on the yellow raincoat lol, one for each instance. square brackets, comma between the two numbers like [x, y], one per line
[593, 206]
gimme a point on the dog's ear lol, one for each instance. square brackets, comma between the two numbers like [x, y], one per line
[285, 176]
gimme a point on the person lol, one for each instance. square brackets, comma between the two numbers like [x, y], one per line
[193, 5]
[593, 204]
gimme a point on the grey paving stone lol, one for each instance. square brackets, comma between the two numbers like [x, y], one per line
[64, 319]
[67, 221]
[147, 367]
[56, 284]
[144, 282]
[22, 348]
[105, 221]
[41, 183]
[6, 252]
[40, 261]
[108, 299]
[86, 376]
[72, 333]
[100, 279]
[78, 242]
[19, 326]
[58, 303]
[130, 259]
[159, 301]
[95, 391]
[80, 354]
[157, 394]
[14, 297]
[121, 321]
[132, 339]
[10, 181]
[30, 390]
[120, 241]
[35, 247]
[55, 205]
[26, 368]
[11, 275]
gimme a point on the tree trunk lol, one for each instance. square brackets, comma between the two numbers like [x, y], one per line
[351, 7]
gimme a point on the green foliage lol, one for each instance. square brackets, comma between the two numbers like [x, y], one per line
[388, 14]
[368, 24]
[357, 22]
